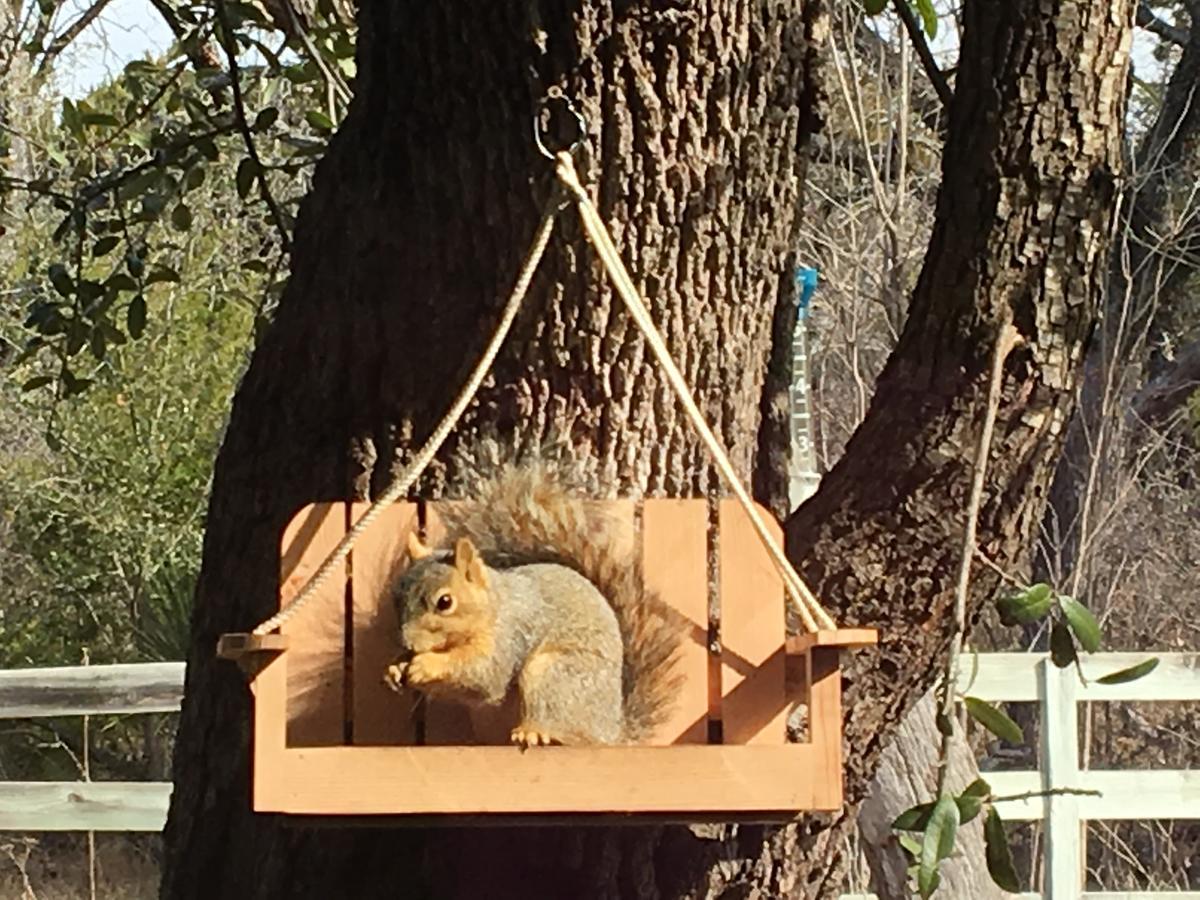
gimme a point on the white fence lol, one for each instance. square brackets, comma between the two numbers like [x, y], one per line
[1124, 794]
[83, 690]
[996, 677]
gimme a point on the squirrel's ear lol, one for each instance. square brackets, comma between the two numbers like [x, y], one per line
[468, 563]
[416, 549]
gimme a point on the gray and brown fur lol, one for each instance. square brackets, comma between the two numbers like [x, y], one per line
[589, 650]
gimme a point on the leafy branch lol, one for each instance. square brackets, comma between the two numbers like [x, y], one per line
[229, 43]
[119, 164]
[949, 812]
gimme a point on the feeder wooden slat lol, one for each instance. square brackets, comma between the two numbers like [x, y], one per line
[316, 639]
[554, 780]
[380, 715]
[825, 710]
[845, 638]
[346, 750]
[753, 704]
[240, 646]
[675, 564]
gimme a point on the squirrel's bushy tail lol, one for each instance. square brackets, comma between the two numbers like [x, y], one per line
[534, 513]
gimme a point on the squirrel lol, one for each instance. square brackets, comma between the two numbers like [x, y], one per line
[531, 594]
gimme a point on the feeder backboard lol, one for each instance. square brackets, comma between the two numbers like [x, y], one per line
[330, 739]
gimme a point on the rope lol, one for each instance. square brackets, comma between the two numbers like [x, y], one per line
[406, 478]
[805, 604]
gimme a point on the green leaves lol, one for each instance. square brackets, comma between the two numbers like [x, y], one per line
[1062, 647]
[99, 343]
[61, 279]
[194, 178]
[1133, 673]
[73, 385]
[247, 171]
[105, 245]
[135, 317]
[913, 819]
[1082, 623]
[181, 217]
[71, 119]
[999, 856]
[164, 630]
[994, 720]
[119, 281]
[40, 381]
[1077, 623]
[939, 823]
[1025, 606]
[1072, 621]
[118, 175]
[923, 8]
[937, 844]
[161, 274]
[929, 17]
[91, 117]
[76, 116]
[135, 264]
[970, 801]
[319, 120]
[266, 118]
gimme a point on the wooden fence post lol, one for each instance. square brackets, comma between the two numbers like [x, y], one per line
[1060, 769]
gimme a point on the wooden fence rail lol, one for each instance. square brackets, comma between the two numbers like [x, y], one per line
[77, 691]
[996, 677]
[91, 690]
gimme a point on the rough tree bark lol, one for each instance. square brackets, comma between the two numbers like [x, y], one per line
[1149, 273]
[698, 115]
[1023, 216]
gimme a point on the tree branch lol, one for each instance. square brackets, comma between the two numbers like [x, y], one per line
[1006, 339]
[199, 53]
[936, 77]
[229, 42]
[160, 158]
[1147, 19]
[62, 41]
[1165, 394]
[332, 77]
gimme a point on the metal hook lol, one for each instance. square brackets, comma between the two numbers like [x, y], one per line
[556, 93]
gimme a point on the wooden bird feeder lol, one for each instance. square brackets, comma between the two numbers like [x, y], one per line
[331, 740]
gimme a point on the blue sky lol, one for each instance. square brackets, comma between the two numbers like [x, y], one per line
[126, 30]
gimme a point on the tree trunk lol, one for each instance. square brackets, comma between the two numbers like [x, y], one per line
[1023, 215]
[698, 115]
[905, 777]
[1149, 272]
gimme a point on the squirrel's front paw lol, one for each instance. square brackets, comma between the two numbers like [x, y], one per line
[531, 736]
[425, 668]
[395, 675]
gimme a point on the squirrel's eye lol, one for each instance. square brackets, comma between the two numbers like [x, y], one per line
[444, 603]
